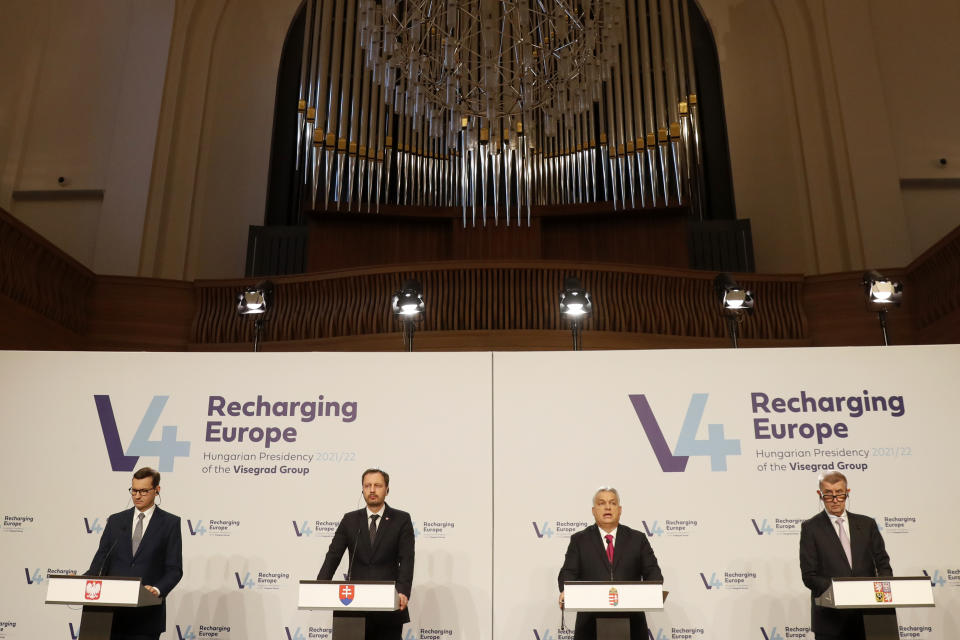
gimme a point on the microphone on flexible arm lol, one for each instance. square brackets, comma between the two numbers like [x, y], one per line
[103, 565]
[356, 545]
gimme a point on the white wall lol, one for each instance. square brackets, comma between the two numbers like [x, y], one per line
[82, 86]
[830, 105]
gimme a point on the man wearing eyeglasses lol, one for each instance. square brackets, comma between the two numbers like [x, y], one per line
[142, 542]
[838, 544]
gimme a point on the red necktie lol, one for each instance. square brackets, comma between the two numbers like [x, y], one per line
[609, 539]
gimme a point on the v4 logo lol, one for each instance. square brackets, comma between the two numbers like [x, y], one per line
[712, 583]
[303, 530]
[542, 635]
[199, 530]
[92, 527]
[762, 528]
[33, 578]
[410, 635]
[772, 635]
[295, 635]
[660, 635]
[74, 633]
[716, 446]
[936, 580]
[543, 530]
[652, 530]
[246, 583]
[166, 449]
[186, 634]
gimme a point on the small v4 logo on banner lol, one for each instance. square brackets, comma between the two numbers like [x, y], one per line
[652, 529]
[166, 449]
[544, 529]
[660, 635]
[762, 528]
[295, 635]
[716, 447]
[92, 527]
[936, 580]
[33, 578]
[245, 583]
[186, 634]
[712, 583]
[302, 530]
[74, 632]
[196, 530]
[771, 635]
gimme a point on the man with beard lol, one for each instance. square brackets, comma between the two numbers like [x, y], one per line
[381, 547]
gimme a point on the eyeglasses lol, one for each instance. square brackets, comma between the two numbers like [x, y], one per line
[827, 497]
[141, 492]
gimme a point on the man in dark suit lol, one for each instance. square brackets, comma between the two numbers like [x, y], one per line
[589, 558]
[381, 546]
[833, 544]
[142, 542]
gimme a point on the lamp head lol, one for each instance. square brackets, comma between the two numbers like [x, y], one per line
[407, 302]
[882, 291]
[734, 299]
[575, 301]
[255, 300]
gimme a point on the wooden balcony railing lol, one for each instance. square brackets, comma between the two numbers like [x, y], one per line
[54, 302]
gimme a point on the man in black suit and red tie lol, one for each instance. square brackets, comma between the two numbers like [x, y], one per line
[142, 542]
[608, 551]
[381, 547]
[837, 544]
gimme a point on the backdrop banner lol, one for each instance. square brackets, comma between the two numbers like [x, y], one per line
[496, 457]
[260, 455]
[716, 456]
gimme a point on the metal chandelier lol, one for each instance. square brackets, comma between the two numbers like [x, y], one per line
[495, 106]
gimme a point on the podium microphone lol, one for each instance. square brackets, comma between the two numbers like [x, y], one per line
[103, 564]
[356, 545]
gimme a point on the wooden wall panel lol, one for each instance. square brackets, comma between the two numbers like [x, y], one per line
[55, 303]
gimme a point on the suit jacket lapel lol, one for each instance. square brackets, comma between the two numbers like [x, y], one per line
[150, 533]
[382, 525]
[834, 538]
[619, 545]
[600, 547]
[857, 536]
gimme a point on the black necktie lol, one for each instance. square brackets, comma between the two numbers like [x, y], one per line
[373, 528]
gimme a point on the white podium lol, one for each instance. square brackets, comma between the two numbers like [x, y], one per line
[358, 596]
[878, 597]
[99, 596]
[612, 598]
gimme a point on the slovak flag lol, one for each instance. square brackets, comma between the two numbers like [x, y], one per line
[614, 597]
[93, 590]
[346, 593]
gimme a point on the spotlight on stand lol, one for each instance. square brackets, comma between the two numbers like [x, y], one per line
[882, 293]
[736, 301]
[407, 305]
[256, 302]
[575, 305]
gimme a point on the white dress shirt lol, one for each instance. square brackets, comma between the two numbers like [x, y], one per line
[146, 519]
[603, 538]
[845, 524]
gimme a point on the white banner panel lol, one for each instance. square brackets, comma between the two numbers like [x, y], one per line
[260, 454]
[715, 452]
[716, 455]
